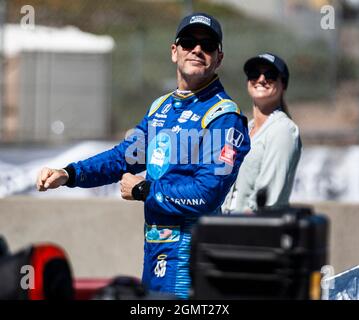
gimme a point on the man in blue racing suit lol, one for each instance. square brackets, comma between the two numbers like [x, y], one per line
[191, 142]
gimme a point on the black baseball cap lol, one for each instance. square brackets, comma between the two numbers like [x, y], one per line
[269, 59]
[201, 19]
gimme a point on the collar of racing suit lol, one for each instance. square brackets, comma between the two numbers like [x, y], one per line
[210, 89]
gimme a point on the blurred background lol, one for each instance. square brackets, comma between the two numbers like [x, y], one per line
[76, 75]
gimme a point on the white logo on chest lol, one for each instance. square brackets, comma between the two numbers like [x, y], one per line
[185, 116]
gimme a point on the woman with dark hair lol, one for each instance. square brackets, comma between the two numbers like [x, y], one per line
[275, 141]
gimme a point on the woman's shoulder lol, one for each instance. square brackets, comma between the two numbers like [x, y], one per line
[282, 124]
[281, 120]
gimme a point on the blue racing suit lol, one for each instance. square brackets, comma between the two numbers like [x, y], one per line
[192, 147]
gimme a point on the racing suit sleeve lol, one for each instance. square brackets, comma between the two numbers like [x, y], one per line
[109, 166]
[280, 160]
[206, 189]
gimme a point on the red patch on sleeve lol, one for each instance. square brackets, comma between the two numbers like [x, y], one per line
[228, 154]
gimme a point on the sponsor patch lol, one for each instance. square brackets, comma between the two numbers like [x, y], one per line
[166, 108]
[222, 107]
[195, 117]
[159, 197]
[201, 19]
[158, 234]
[186, 202]
[160, 115]
[176, 129]
[234, 137]
[158, 157]
[267, 57]
[227, 154]
[177, 104]
[157, 123]
[160, 269]
[157, 103]
[185, 115]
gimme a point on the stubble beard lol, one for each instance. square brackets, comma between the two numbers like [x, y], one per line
[195, 76]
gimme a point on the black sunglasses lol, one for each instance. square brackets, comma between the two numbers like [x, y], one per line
[207, 44]
[271, 74]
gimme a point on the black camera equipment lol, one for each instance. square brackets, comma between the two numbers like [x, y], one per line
[272, 254]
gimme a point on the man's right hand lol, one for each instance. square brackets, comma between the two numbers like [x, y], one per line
[51, 179]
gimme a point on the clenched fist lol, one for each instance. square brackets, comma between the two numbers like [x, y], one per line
[51, 178]
[128, 181]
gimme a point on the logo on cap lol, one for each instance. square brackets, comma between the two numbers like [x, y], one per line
[200, 19]
[268, 57]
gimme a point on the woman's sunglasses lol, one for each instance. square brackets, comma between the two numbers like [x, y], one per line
[207, 44]
[271, 74]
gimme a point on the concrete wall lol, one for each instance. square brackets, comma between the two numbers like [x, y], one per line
[344, 234]
[104, 237]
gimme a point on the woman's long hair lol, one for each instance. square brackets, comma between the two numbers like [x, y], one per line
[284, 106]
[282, 101]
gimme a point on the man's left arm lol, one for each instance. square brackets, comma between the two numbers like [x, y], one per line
[109, 166]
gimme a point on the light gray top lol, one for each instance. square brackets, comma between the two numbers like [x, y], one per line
[271, 163]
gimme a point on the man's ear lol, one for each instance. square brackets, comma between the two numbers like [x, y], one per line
[174, 53]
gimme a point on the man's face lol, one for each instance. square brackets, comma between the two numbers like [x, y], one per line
[196, 61]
